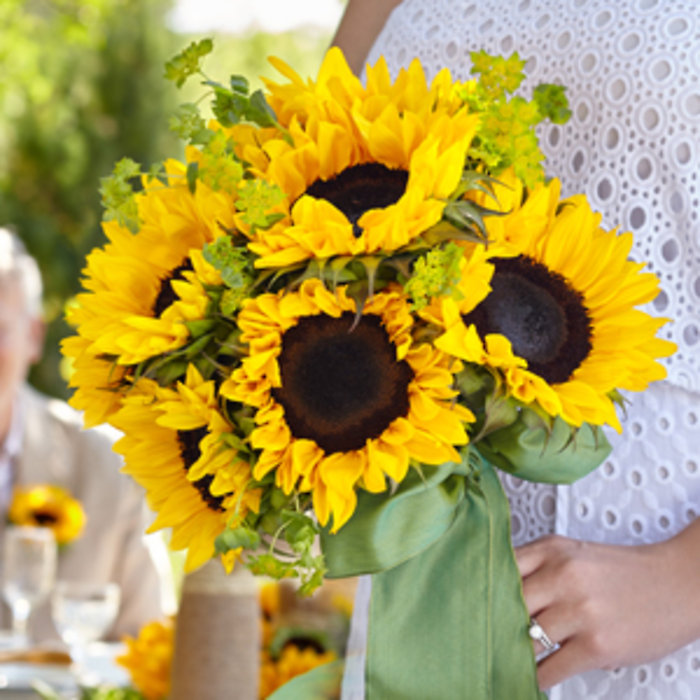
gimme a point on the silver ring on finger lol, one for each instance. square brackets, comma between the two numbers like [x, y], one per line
[537, 633]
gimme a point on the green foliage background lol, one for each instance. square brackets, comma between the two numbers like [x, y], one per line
[81, 86]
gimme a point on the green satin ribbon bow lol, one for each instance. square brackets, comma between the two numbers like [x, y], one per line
[447, 618]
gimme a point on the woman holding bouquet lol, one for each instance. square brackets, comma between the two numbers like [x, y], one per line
[610, 564]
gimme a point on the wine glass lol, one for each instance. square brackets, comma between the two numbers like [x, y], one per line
[29, 571]
[82, 613]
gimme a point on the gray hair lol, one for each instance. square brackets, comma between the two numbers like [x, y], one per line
[15, 262]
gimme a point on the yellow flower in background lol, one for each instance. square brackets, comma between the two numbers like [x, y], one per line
[309, 640]
[142, 288]
[292, 662]
[270, 604]
[343, 401]
[47, 505]
[561, 322]
[166, 451]
[367, 170]
[148, 658]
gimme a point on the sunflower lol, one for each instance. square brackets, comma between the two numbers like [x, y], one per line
[98, 382]
[47, 505]
[343, 400]
[169, 449]
[144, 287]
[560, 322]
[270, 596]
[148, 658]
[292, 662]
[363, 170]
[337, 90]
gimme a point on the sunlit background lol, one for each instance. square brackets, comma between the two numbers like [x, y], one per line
[244, 16]
[81, 85]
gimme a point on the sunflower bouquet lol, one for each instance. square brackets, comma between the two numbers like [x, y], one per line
[336, 315]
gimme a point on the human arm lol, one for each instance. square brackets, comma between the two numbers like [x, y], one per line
[141, 567]
[361, 23]
[611, 606]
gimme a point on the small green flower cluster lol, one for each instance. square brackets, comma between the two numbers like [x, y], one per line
[506, 135]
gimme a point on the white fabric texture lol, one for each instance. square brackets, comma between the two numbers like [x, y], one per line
[633, 147]
[10, 451]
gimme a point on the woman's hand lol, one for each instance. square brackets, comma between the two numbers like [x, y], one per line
[610, 606]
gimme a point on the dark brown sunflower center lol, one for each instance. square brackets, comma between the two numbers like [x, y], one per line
[166, 295]
[45, 517]
[303, 643]
[341, 385]
[360, 188]
[189, 451]
[542, 316]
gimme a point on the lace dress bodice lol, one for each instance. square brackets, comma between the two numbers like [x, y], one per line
[633, 147]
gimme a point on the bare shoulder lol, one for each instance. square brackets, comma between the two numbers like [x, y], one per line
[359, 27]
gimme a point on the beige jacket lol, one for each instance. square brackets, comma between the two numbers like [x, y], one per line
[57, 450]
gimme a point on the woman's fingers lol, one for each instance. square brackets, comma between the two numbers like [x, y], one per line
[567, 661]
[610, 605]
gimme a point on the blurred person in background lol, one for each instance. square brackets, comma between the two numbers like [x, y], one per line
[42, 441]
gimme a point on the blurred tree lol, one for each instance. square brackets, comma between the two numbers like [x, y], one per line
[80, 86]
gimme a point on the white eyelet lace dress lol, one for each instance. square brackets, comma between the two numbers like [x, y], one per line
[632, 71]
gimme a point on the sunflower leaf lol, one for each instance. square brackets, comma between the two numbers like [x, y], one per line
[337, 266]
[371, 264]
[192, 173]
[468, 216]
[170, 372]
[259, 111]
[473, 381]
[195, 348]
[233, 441]
[197, 328]
[278, 498]
[313, 578]
[536, 418]
[229, 107]
[233, 538]
[239, 84]
[499, 412]
[269, 565]
[472, 180]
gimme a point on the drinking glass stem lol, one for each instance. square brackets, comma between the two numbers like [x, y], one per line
[20, 615]
[78, 667]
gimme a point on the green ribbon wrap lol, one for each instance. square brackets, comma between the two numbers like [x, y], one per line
[447, 617]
